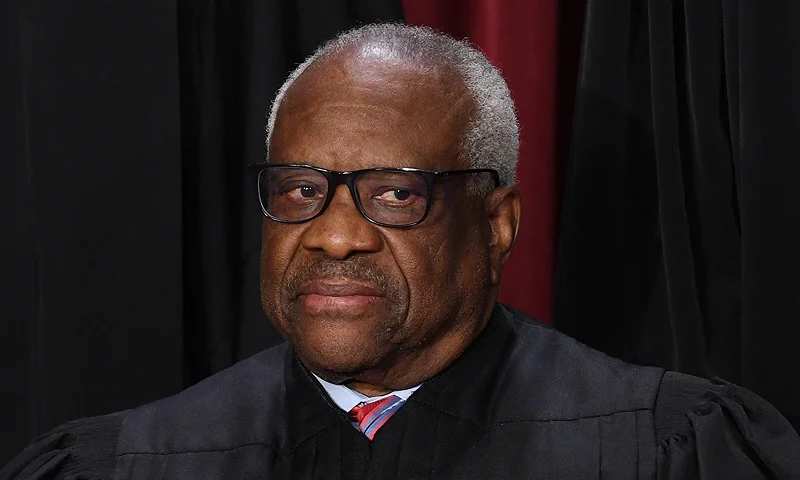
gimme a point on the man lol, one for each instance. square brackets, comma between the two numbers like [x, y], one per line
[391, 210]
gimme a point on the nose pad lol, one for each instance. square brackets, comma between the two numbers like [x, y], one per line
[345, 198]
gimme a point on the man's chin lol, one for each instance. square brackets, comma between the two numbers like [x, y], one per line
[340, 353]
[342, 337]
[337, 368]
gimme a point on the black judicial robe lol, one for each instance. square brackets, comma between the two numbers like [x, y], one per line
[523, 402]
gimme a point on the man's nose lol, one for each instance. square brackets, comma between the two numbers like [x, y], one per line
[341, 230]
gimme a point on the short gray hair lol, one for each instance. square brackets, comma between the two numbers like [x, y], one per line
[492, 138]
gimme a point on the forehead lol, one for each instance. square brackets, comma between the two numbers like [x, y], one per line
[349, 112]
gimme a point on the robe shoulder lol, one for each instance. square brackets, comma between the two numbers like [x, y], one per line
[86, 449]
[251, 393]
[714, 429]
[701, 428]
[549, 376]
[77, 450]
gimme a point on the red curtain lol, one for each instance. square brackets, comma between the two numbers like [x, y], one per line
[522, 37]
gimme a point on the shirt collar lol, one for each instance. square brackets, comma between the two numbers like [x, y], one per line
[346, 398]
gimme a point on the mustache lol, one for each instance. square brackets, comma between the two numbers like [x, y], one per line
[354, 268]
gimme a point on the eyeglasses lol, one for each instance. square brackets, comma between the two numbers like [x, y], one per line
[390, 197]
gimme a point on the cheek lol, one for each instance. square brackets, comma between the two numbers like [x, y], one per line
[278, 247]
[429, 268]
[446, 273]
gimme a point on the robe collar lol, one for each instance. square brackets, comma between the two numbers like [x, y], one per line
[460, 390]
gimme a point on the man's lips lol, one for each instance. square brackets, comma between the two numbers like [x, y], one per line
[322, 296]
[335, 288]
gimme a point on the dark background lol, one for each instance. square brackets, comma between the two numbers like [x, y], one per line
[658, 167]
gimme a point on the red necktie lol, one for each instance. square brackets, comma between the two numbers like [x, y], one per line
[369, 417]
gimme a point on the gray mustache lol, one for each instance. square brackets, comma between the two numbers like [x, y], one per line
[355, 268]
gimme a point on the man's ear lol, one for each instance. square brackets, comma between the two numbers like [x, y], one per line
[503, 208]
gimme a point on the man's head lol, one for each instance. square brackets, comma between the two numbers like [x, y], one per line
[376, 305]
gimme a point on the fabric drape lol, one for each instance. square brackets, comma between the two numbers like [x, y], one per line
[90, 240]
[680, 227]
[130, 235]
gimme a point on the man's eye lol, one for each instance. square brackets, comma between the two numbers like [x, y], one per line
[395, 195]
[301, 191]
[307, 191]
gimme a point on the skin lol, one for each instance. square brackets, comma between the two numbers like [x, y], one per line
[380, 308]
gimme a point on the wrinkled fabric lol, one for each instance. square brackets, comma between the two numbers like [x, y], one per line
[679, 234]
[524, 401]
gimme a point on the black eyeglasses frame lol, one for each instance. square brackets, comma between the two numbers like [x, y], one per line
[349, 178]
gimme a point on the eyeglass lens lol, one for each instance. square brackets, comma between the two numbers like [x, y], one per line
[295, 194]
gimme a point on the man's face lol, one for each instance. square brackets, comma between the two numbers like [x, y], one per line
[357, 300]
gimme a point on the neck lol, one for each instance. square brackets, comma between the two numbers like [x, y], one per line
[367, 389]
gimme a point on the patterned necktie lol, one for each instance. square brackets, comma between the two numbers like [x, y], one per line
[369, 417]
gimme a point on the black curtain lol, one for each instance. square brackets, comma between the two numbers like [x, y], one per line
[130, 235]
[680, 229]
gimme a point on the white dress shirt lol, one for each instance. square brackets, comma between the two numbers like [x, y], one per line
[346, 398]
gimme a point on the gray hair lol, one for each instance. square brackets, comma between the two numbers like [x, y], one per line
[491, 139]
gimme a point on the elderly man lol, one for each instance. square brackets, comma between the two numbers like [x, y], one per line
[391, 210]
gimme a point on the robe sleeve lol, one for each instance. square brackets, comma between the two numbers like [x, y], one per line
[79, 450]
[714, 429]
